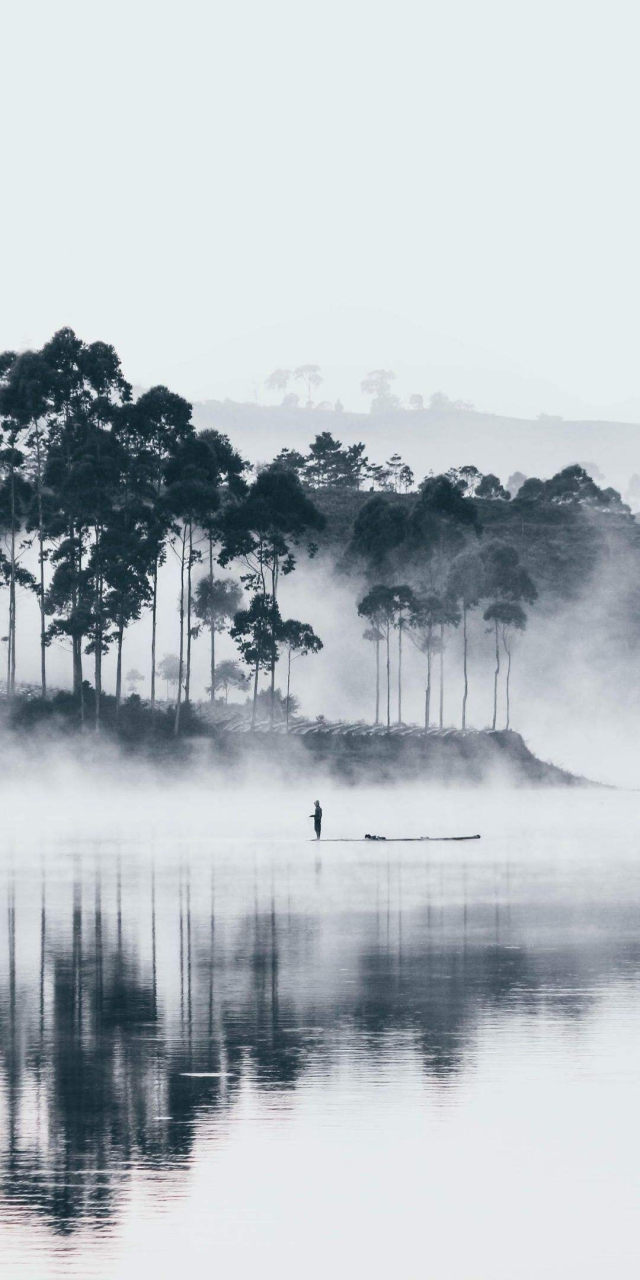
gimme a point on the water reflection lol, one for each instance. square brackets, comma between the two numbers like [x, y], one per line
[139, 994]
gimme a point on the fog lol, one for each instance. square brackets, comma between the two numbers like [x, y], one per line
[574, 692]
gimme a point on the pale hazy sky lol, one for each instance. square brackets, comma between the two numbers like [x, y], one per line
[450, 190]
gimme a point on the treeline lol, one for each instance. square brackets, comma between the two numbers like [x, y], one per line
[105, 488]
[449, 578]
[376, 386]
[331, 465]
[431, 568]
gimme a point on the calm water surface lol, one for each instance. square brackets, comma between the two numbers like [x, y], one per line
[225, 1050]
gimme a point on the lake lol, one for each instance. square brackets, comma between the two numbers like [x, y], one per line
[227, 1049]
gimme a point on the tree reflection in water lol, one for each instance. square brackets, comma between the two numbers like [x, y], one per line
[132, 1012]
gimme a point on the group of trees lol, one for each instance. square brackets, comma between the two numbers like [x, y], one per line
[308, 374]
[449, 572]
[104, 489]
[377, 386]
[331, 465]
[107, 487]
[262, 533]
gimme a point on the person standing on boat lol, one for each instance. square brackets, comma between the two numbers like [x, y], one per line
[317, 819]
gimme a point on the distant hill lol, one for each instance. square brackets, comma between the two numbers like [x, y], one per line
[433, 440]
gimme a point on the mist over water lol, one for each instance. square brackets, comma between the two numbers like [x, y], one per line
[226, 1046]
[574, 692]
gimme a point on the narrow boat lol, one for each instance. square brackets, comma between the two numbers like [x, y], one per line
[394, 839]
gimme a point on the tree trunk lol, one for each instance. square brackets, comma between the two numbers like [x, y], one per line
[79, 641]
[98, 676]
[441, 676]
[10, 642]
[11, 667]
[464, 652]
[274, 587]
[427, 692]
[213, 627]
[495, 680]
[273, 690]
[9, 655]
[508, 652]
[119, 668]
[77, 668]
[255, 694]
[43, 645]
[98, 638]
[288, 685]
[154, 612]
[13, 646]
[176, 723]
[388, 682]
[400, 672]
[377, 682]
[187, 686]
[78, 684]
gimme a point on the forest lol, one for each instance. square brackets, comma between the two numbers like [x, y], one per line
[98, 487]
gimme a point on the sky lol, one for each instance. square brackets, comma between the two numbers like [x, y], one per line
[446, 190]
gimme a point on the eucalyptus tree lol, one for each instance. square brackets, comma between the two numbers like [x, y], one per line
[423, 623]
[492, 488]
[377, 384]
[226, 469]
[134, 678]
[85, 386]
[311, 376]
[378, 536]
[278, 380]
[386, 608]
[130, 539]
[128, 553]
[99, 465]
[405, 609]
[449, 617]
[379, 606]
[191, 499]
[465, 584]
[165, 424]
[438, 527]
[169, 671]
[507, 616]
[506, 582]
[375, 636]
[216, 601]
[298, 640]
[398, 475]
[229, 675]
[430, 615]
[261, 531]
[15, 498]
[24, 400]
[257, 631]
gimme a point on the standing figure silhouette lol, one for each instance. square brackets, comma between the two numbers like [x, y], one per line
[317, 819]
